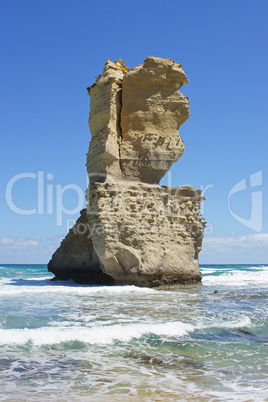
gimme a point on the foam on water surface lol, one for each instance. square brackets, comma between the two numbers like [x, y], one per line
[100, 335]
[44, 285]
[245, 276]
[64, 341]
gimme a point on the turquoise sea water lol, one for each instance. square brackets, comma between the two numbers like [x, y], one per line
[68, 342]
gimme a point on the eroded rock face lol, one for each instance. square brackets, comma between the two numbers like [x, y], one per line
[153, 109]
[104, 122]
[134, 231]
[146, 234]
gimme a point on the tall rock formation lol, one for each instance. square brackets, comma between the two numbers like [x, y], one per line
[135, 231]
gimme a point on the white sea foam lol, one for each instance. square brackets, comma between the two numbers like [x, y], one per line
[99, 335]
[241, 322]
[259, 268]
[257, 277]
[107, 334]
[8, 288]
[205, 271]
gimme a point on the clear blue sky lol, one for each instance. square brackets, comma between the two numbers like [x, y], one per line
[52, 50]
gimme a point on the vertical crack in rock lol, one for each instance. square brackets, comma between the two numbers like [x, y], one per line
[120, 136]
[133, 230]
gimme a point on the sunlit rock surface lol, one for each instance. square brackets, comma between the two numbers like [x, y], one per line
[133, 230]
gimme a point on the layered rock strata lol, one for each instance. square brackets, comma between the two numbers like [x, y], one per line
[153, 109]
[135, 231]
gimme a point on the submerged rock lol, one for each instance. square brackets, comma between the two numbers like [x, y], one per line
[133, 230]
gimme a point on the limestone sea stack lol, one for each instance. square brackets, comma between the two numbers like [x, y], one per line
[135, 231]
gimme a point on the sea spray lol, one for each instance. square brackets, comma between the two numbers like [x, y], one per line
[80, 342]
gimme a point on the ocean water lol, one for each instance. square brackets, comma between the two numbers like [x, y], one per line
[68, 342]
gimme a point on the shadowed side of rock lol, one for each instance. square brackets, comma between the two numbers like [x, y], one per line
[76, 258]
